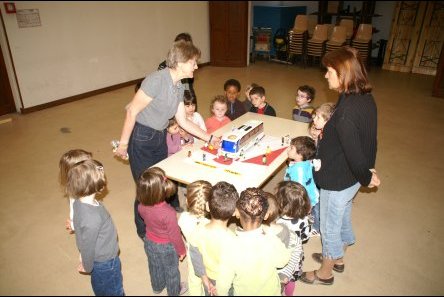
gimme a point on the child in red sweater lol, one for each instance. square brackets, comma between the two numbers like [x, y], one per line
[163, 242]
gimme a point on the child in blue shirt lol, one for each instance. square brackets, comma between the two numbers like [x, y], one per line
[301, 151]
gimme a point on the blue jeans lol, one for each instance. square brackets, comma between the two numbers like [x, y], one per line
[106, 278]
[316, 220]
[336, 226]
[163, 265]
[146, 147]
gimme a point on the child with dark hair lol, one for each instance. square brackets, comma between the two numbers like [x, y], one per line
[260, 106]
[209, 239]
[291, 241]
[187, 82]
[295, 209]
[190, 103]
[302, 111]
[163, 242]
[67, 161]
[96, 235]
[301, 151]
[249, 263]
[247, 102]
[232, 88]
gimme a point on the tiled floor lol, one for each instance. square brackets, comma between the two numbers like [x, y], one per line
[399, 227]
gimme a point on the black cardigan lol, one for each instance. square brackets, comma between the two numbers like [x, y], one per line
[348, 146]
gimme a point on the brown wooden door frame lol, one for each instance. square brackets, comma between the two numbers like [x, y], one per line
[7, 103]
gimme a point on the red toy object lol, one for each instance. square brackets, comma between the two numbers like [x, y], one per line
[223, 160]
[206, 149]
[270, 157]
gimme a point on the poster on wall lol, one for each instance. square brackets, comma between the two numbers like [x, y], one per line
[28, 18]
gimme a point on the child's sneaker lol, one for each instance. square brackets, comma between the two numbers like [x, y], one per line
[183, 288]
[314, 233]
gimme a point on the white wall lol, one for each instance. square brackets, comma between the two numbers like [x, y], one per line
[85, 46]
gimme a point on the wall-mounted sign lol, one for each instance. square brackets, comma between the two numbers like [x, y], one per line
[28, 18]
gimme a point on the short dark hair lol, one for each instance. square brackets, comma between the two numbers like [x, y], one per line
[223, 201]
[188, 98]
[257, 91]
[293, 200]
[310, 91]
[305, 147]
[183, 36]
[252, 204]
[232, 82]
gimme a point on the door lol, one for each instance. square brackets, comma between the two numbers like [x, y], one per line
[7, 104]
[228, 33]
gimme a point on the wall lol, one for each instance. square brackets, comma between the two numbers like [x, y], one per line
[85, 46]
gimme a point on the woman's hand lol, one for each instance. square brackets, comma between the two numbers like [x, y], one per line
[122, 151]
[375, 181]
[215, 142]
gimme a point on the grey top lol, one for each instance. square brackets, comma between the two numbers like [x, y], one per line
[96, 236]
[166, 98]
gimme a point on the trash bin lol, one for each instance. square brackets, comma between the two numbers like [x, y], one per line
[381, 52]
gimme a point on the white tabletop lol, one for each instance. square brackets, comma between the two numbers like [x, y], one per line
[186, 169]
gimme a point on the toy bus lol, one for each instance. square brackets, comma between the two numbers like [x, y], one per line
[238, 141]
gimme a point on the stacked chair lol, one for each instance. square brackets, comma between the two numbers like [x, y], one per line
[297, 37]
[316, 45]
[337, 39]
[312, 22]
[363, 42]
[349, 26]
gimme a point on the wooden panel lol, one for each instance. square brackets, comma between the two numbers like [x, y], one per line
[406, 28]
[228, 33]
[431, 39]
[438, 84]
[7, 104]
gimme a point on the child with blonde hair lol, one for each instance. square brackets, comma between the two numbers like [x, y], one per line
[69, 159]
[198, 194]
[218, 107]
[295, 207]
[321, 115]
[163, 242]
[209, 239]
[96, 235]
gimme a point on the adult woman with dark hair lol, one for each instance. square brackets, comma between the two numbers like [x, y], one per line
[347, 152]
[159, 98]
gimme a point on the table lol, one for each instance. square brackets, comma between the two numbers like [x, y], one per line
[184, 169]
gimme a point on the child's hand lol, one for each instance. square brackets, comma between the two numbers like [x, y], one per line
[209, 286]
[68, 226]
[316, 164]
[181, 257]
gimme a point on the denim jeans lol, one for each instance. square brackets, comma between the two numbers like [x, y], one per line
[106, 278]
[163, 265]
[146, 147]
[336, 226]
[316, 218]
